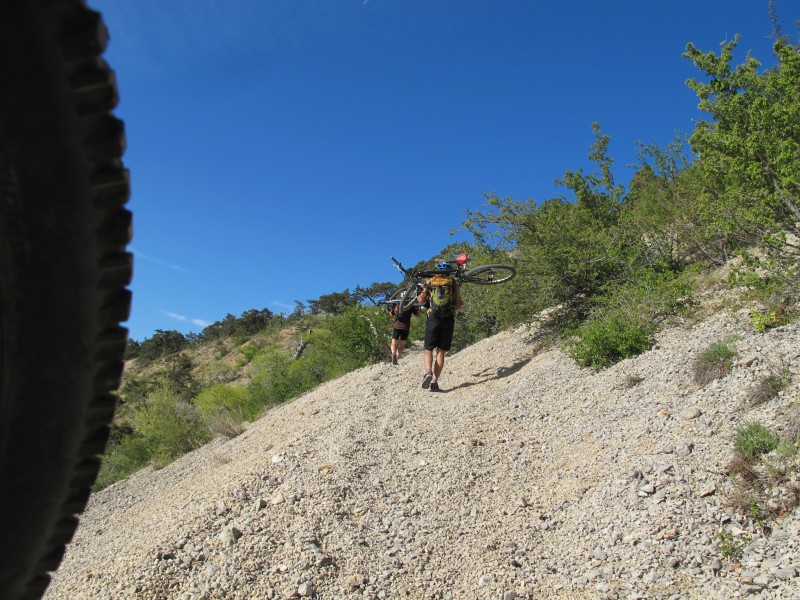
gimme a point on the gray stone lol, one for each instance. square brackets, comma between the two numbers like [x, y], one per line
[691, 413]
[785, 573]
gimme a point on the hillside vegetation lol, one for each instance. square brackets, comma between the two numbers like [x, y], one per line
[611, 265]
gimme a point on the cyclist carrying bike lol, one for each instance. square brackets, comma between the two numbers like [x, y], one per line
[400, 329]
[442, 294]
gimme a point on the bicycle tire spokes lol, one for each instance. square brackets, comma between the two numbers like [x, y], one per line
[490, 274]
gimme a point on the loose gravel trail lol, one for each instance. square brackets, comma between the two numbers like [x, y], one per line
[528, 477]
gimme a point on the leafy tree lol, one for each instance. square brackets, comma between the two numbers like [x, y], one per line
[375, 292]
[333, 303]
[567, 250]
[750, 149]
[132, 348]
[252, 321]
[161, 344]
[177, 372]
[300, 309]
[664, 211]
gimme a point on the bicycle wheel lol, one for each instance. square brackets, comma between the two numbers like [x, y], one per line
[63, 273]
[397, 294]
[409, 298]
[489, 274]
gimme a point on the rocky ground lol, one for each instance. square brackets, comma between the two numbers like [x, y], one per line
[529, 477]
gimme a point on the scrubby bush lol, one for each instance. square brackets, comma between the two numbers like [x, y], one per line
[169, 425]
[714, 362]
[360, 334]
[768, 387]
[608, 339]
[121, 459]
[224, 408]
[628, 317]
[165, 427]
[754, 439]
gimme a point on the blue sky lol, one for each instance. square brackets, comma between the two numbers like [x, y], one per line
[284, 149]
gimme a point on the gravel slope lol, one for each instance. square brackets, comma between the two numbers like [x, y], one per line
[528, 478]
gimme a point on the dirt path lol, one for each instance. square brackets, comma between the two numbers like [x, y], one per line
[528, 477]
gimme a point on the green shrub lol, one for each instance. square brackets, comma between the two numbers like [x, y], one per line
[754, 439]
[122, 459]
[169, 426]
[628, 315]
[714, 362]
[276, 377]
[224, 407]
[609, 339]
[764, 321]
[729, 547]
[248, 351]
[360, 334]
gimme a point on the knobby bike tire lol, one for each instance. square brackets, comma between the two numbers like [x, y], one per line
[64, 269]
[397, 294]
[409, 298]
[489, 274]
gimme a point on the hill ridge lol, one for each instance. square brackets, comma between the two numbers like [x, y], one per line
[530, 477]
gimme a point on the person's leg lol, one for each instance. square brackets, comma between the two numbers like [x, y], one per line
[394, 347]
[401, 345]
[439, 366]
[444, 341]
[431, 333]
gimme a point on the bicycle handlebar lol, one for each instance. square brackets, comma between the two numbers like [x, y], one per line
[399, 265]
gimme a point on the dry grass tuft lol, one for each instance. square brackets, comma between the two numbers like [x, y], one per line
[714, 362]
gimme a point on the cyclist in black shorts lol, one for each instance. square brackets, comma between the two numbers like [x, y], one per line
[443, 295]
[400, 329]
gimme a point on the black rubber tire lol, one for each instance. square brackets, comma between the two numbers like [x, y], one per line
[63, 276]
[397, 294]
[409, 298]
[489, 274]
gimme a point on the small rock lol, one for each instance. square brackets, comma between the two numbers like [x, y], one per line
[691, 413]
[229, 535]
[599, 555]
[306, 589]
[716, 566]
[355, 581]
[786, 573]
[750, 589]
[648, 488]
[684, 449]
[222, 508]
[707, 490]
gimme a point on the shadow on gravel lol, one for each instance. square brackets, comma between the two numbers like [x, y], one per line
[498, 374]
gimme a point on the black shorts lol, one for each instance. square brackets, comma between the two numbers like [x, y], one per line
[439, 333]
[399, 334]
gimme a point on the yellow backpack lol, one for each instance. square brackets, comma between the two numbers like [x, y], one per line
[443, 301]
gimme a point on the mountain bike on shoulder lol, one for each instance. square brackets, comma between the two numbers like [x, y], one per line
[492, 274]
